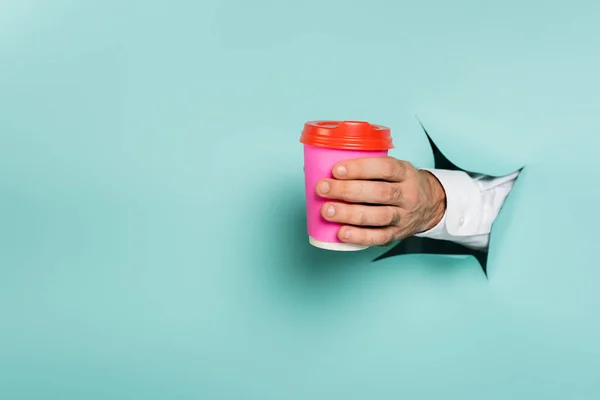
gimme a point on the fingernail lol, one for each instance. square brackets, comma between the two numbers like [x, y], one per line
[346, 234]
[330, 211]
[324, 187]
[341, 170]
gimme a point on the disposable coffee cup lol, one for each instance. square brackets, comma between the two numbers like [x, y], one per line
[325, 144]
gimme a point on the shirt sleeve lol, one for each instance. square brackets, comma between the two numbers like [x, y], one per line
[473, 202]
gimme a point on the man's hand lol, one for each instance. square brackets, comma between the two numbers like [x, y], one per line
[388, 200]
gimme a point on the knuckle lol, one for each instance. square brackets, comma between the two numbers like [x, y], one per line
[393, 193]
[358, 188]
[408, 171]
[401, 166]
[361, 217]
[405, 165]
[355, 215]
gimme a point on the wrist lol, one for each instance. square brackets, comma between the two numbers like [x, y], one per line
[436, 201]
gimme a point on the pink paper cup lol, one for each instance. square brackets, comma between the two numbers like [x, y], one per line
[325, 144]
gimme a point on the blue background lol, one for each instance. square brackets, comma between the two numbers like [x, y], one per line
[152, 232]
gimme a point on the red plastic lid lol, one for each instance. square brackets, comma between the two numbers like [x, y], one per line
[347, 135]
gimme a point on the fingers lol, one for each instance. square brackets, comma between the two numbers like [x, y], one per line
[371, 192]
[361, 215]
[375, 168]
[368, 236]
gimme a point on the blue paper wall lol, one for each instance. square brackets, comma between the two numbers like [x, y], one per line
[152, 232]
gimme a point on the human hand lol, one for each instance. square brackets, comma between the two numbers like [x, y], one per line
[382, 200]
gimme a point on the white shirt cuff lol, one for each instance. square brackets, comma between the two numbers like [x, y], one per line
[462, 221]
